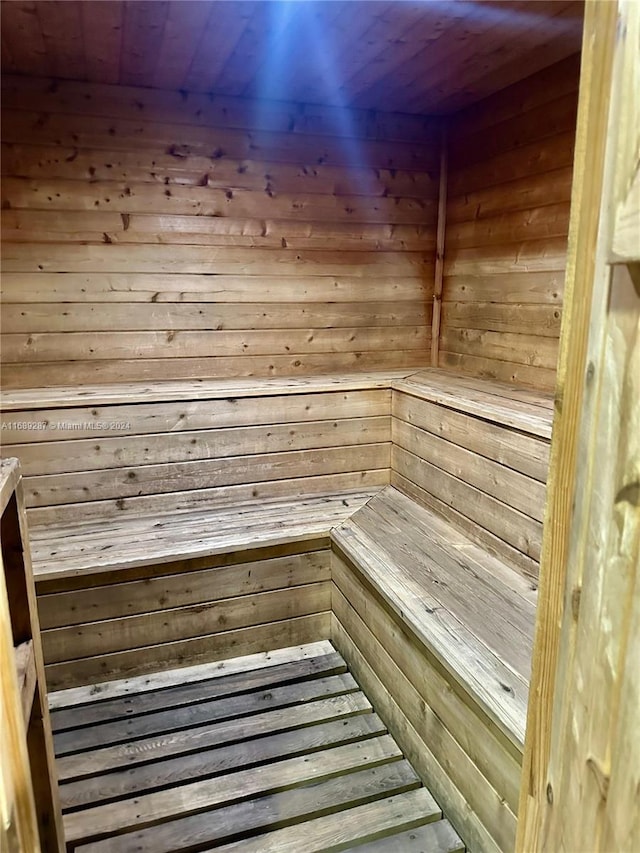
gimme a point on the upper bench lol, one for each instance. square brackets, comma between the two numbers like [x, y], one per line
[128, 474]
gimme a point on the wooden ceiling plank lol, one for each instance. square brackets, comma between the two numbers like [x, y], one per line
[22, 32]
[478, 35]
[388, 72]
[142, 37]
[61, 25]
[321, 75]
[226, 24]
[102, 25]
[299, 42]
[247, 53]
[566, 29]
[185, 23]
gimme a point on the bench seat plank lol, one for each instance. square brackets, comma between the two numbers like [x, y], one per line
[519, 408]
[84, 548]
[192, 389]
[473, 615]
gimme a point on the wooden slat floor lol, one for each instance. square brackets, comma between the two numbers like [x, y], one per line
[277, 752]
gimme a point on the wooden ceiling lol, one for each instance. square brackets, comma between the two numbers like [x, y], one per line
[434, 56]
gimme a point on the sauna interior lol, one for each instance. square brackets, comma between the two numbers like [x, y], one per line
[281, 304]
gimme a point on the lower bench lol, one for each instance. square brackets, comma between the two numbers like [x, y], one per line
[150, 592]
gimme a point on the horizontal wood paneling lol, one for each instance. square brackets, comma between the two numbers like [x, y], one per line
[510, 168]
[479, 460]
[173, 237]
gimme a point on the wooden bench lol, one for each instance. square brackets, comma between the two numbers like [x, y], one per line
[401, 516]
[434, 590]
[180, 521]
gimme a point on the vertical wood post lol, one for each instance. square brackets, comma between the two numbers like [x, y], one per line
[581, 768]
[440, 235]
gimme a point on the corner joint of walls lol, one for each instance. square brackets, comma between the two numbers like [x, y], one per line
[440, 234]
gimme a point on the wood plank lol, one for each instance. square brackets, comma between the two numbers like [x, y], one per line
[189, 741]
[50, 490]
[72, 697]
[71, 413]
[483, 674]
[152, 287]
[527, 454]
[510, 487]
[492, 544]
[125, 371]
[187, 799]
[248, 641]
[415, 748]
[446, 711]
[109, 134]
[217, 762]
[437, 837]
[82, 98]
[187, 694]
[100, 346]
[25, 664]
[131, 632]
[273, 810]
[45, 458]
[360, 824]
[310, 530]
[208, 711]
[154, 593]
[517, 529]
[484, 399]
[539, 378]
[87, 317]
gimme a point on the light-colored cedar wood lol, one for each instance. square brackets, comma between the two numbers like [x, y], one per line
[187, 741]
[132, 632]
[29, 803]
[358, 485]
[581, 760]
[44, 457]
[179, 201]
[417, 750]
[515, 450]
[404, 811]
[197, 796]
[468, 659]
[302, 629]
[493, 478]
[186, 675]
[232, 391]
[440, 238]
[489, 751]
[520, 408]
[25, 664]
[507, 221]
[439, 837]
[463, 775]
[241, 527]
[131, 597]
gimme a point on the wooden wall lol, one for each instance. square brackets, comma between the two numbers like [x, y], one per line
[151, 234]
[509, 186]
